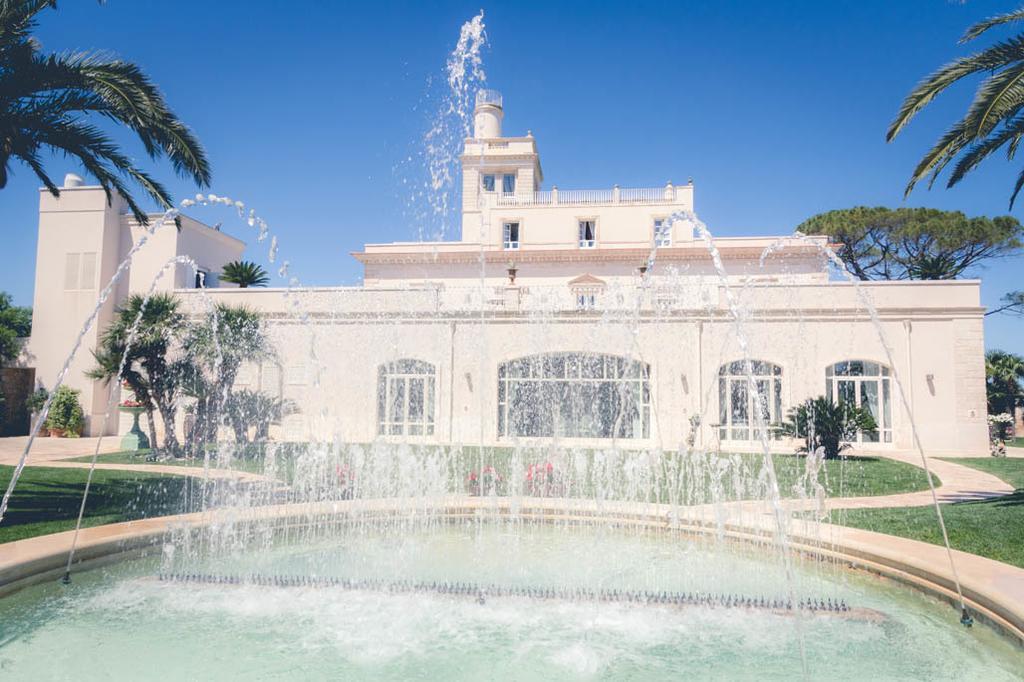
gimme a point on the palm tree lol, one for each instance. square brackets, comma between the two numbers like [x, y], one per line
[1004, 373]
[828, 425]
[45, 101]
[216, 349]
[148, 368]
[245, 409]
[245, 274]
[995, 117]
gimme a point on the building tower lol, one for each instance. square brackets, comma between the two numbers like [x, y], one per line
[494, 169]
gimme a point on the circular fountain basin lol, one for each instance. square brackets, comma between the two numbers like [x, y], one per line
[122, 622]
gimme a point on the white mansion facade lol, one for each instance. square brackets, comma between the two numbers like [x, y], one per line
[584, 316]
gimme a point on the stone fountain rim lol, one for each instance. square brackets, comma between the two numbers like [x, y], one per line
[993, 591]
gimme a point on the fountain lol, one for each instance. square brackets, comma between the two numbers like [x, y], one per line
[610, 548]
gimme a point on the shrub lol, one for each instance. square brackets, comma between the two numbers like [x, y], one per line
[66, 412]
[828, 425]
[36, 399]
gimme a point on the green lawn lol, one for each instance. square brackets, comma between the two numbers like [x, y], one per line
[46, 500]
[851, 477]
[991, 528]
[688, 479]
[139, 457]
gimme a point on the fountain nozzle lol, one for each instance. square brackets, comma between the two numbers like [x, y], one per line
[965, 618]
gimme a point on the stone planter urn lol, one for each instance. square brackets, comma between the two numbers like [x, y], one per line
[135, 439]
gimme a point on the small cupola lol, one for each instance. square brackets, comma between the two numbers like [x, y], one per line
[487, 115]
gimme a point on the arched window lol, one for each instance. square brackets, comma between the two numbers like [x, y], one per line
[868, 385]
[405, 398]
[574, 395]
[737, 401]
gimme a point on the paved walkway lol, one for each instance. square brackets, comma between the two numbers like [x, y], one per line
[54, 452]
[51, 449]
[959, 483]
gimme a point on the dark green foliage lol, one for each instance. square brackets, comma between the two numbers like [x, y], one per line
[245, 274]
[1004, 373]
[66, 412]
[247, 410]
[828, 425]
[46, 102]
[149, 370]
[992, 528]
[15, 323]
[915, 243]
[214, 350]
[36, 400]
[994, 118]
[171, 358]
[47, 499]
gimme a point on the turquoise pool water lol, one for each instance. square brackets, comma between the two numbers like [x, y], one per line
[122, 623]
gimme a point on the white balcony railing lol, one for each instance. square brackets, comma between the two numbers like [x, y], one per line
[669, 194]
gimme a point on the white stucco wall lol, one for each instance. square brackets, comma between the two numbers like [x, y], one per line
[351, 332]
[81, 221]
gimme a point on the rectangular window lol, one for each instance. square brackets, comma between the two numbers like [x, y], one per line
[71, 265]
[202, 279]
[508, 184]
[80, 271]
[510, 236]
[585, 301]
[662, 232]
[488, 183]
[405, 398]
[588, 234]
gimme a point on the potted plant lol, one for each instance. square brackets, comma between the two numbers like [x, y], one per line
[135, 439]
[999, 429]
[66, 417]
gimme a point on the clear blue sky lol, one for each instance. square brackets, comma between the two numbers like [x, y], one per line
[776, 109]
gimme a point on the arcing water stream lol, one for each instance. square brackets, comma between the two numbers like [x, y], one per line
[375, 518]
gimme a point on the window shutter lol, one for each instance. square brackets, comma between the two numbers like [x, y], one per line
[87, 278]
[71, 265]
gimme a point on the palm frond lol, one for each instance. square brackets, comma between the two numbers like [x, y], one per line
[984, 25]
[994, 57]
[245, 274]
[945, 150]
[1011, 133]
[1016, 188]
[45, 101]
[998, 96]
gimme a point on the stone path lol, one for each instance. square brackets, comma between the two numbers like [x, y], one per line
[959, 484]
[54, 452]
